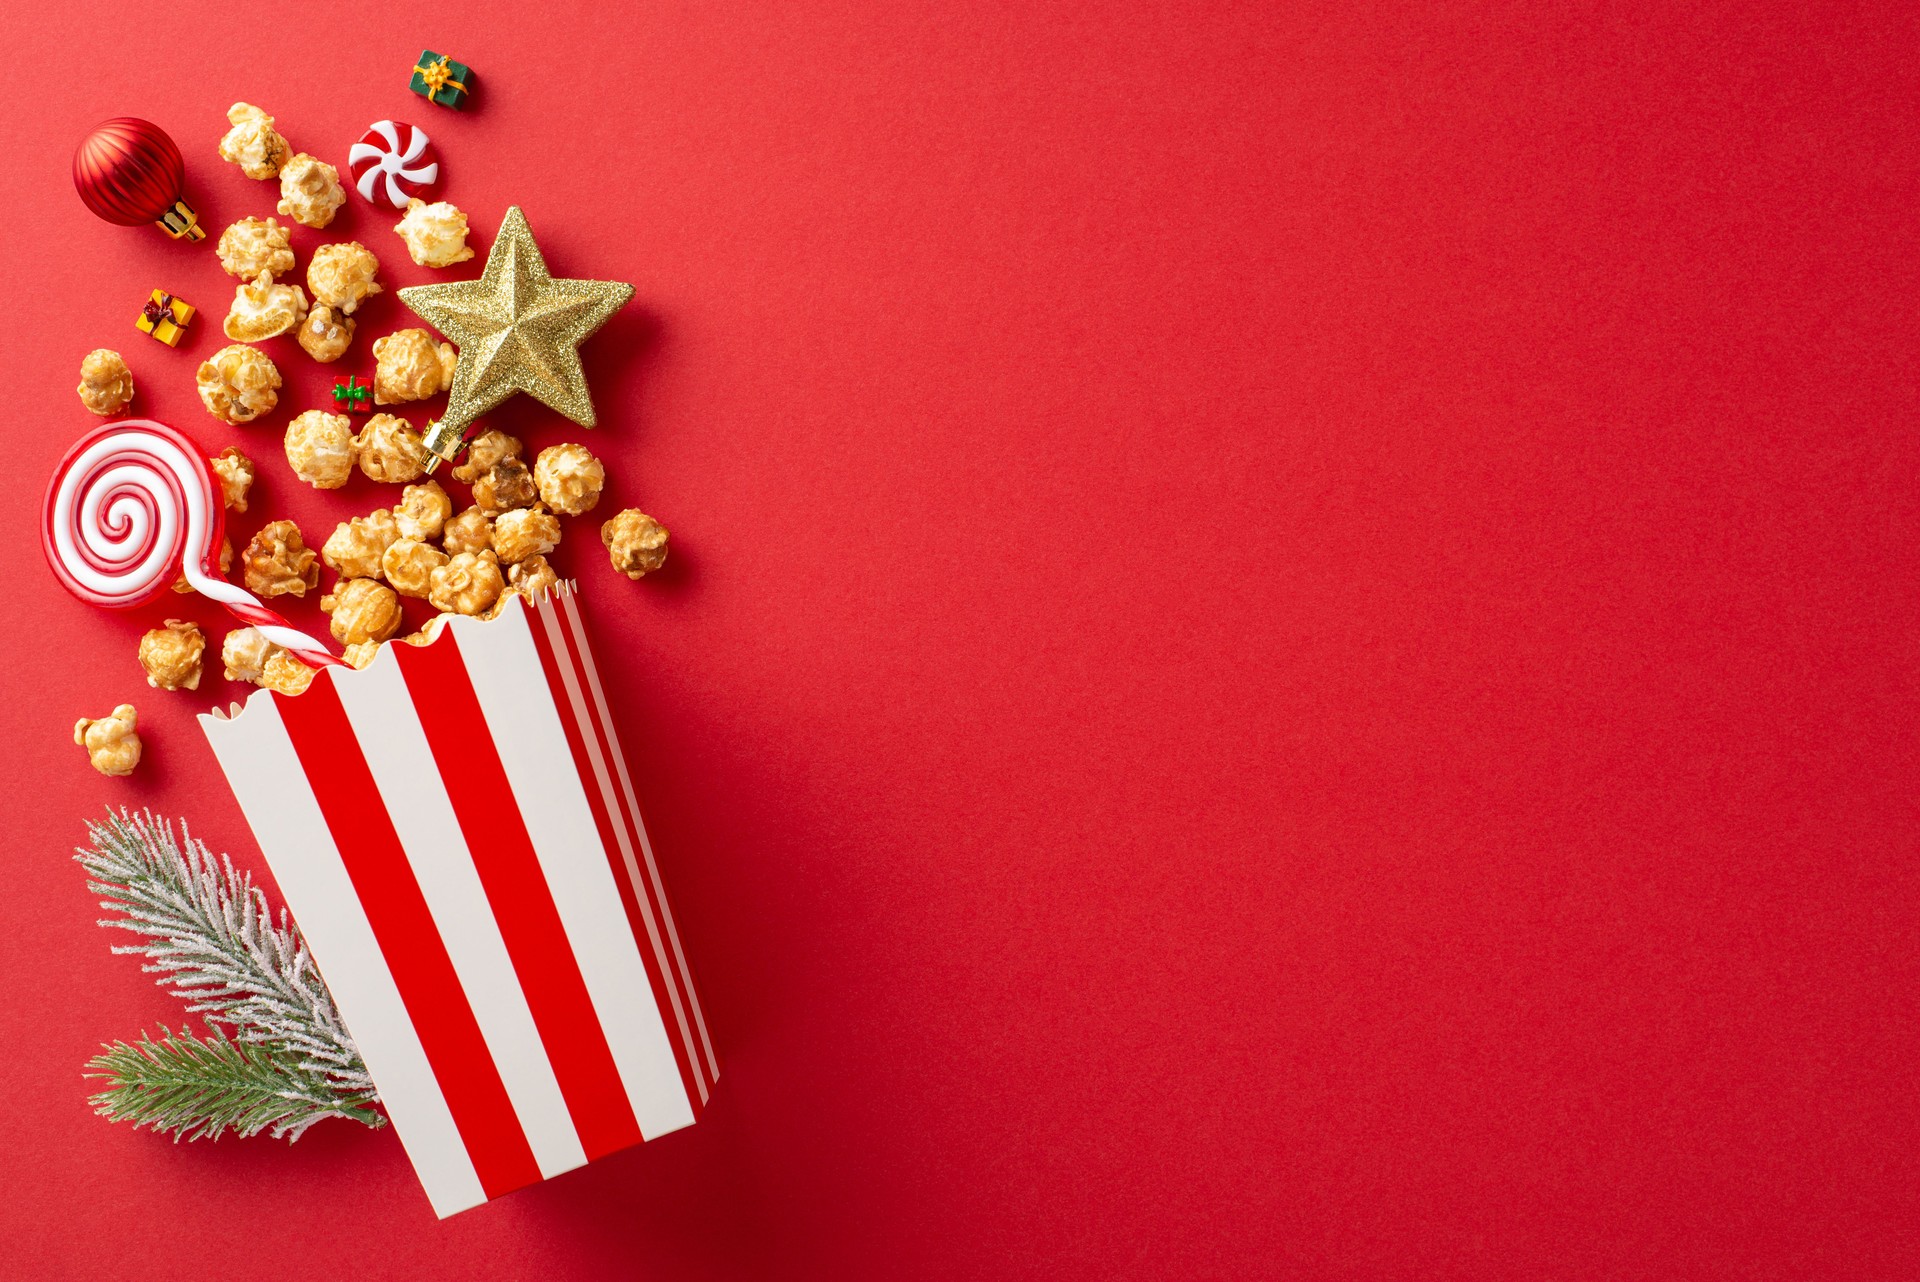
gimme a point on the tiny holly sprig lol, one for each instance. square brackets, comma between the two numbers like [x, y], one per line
[211, 938]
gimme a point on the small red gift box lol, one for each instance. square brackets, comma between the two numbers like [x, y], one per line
[455, 830]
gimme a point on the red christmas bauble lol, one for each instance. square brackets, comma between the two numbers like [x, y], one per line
[129, 172]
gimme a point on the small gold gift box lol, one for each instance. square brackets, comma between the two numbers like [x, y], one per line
[165, 317]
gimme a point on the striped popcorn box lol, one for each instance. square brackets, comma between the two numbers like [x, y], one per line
[455, 830]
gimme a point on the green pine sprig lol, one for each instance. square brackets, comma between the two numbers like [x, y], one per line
[211, 938]
[201, 1087]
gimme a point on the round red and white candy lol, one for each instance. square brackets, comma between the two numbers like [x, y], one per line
[393, 160]
[134, 505]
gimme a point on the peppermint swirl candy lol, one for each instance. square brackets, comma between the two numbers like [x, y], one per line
[405, 168]
[132, 506]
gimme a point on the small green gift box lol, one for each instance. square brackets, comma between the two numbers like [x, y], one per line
[440, 79]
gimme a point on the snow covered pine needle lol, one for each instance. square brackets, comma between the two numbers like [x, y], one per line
[210, 937]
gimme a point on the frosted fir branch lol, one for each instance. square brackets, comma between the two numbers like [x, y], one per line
[202, 1087]
[212, 939]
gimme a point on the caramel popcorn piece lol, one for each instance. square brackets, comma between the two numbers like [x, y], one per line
[360, 653]
[569, 478]
[238, 384]
[285, 674]
[321, 448]
[531, 577]
[636, 543]
[310, 191]
[171, 655]
[106, 384]
[468, 583]
[244, 654]
[436, 234]
[410, 366]
[390, 450]
[355, 547]
[111, 744]
[343, 276]
[362, 610]
[279, 563]
[423, 510]
[325, 334]
[235, 471]
[225, 563]
[409, 565]
[483, 451]
[252, 143]
[255, 246]
[471, 531]
[428, 631]
[509, 485]
[525, 532]
[262, 309]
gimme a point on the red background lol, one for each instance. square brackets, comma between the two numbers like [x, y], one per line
[1290, 644]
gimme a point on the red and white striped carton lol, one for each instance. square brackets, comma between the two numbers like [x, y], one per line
[455, 830]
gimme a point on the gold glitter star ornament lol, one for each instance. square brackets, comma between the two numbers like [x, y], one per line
[518, 330]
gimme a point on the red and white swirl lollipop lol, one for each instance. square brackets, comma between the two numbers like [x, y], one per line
[394, 157]
[132, 506]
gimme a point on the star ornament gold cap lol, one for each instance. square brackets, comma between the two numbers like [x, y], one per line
[518, 330]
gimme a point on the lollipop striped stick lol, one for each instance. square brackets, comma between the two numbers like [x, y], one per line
[134, 504]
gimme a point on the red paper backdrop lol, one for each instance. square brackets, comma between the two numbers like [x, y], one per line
[1290, 647]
